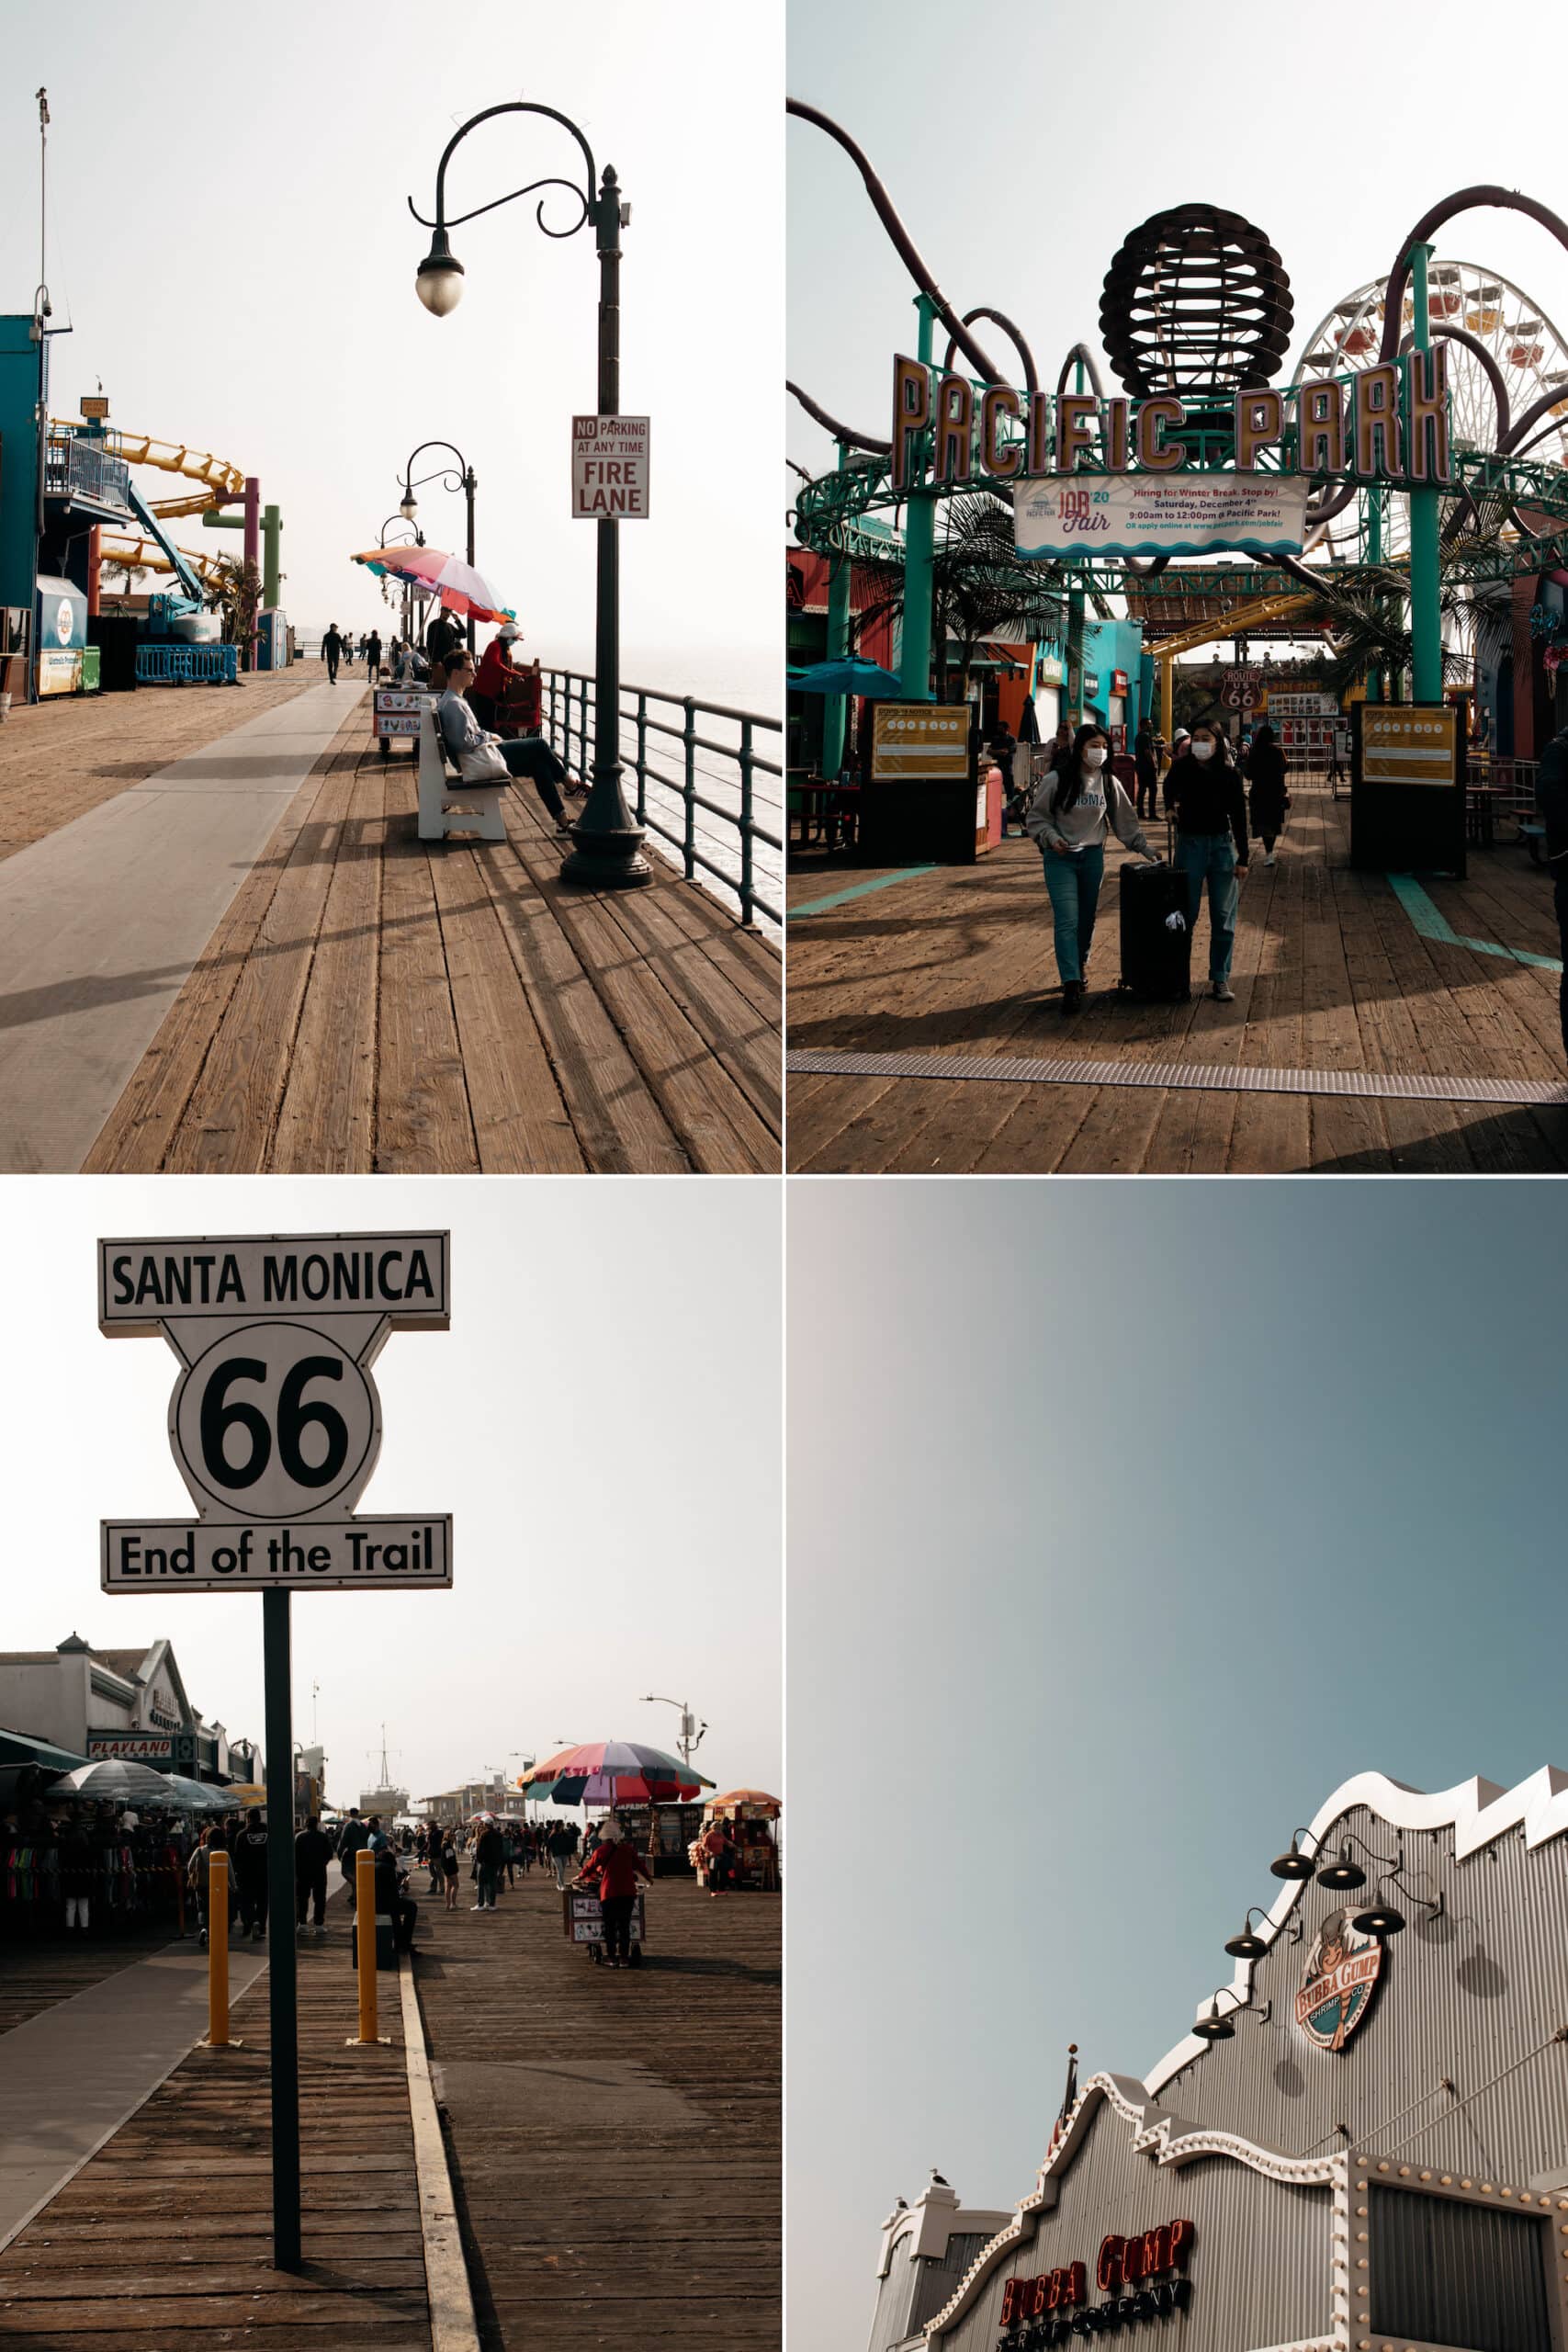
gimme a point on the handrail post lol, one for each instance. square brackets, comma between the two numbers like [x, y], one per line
[689, 844]
[582, 766]
[218, 1948]
[641, 757]
[748, 920]
[365, 1941]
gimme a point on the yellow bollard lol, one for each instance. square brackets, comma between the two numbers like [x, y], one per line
[218, 1949]
[365, 1929]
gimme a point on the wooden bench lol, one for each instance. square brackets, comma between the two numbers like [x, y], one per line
[447, 805]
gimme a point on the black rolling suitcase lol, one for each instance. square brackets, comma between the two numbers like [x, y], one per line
[1156, 953]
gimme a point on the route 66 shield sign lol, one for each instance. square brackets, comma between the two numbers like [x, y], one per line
[1337, 1983]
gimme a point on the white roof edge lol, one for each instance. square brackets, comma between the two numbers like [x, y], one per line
[1478, 1811]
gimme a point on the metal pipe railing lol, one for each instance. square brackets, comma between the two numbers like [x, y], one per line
[669, 801]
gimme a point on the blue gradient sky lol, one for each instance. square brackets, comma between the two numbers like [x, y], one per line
[1126, 1521]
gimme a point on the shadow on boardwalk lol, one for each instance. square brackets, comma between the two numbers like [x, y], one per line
[1331, 976]
[371, 1003]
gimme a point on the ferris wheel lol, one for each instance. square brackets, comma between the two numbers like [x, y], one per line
[1531, 355]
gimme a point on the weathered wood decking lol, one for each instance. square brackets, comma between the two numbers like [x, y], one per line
[373, 1002]
[614, 2137]
[1331, 975]
[35, 1974]
[163, 2238]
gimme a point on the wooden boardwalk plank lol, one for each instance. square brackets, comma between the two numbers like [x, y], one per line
[1330, 973]
[373, 1002]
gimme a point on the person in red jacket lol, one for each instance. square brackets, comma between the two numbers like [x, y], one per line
[615, 1867]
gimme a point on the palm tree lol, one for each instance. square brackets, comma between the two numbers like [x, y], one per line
[981, 587]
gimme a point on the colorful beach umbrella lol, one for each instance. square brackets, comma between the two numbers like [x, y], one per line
[623, 1771]
[453, 582]
[752, 1801]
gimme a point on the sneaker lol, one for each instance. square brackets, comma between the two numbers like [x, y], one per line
[1072, 996]
[201, 1939]
[478, 1906]
[1223, 992]
[1269, 859]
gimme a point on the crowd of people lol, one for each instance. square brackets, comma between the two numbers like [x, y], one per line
[89, 1867]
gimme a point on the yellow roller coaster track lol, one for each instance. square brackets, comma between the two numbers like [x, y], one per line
[146, 555]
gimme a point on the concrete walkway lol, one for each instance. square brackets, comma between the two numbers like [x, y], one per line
[102, 921]
[70, 2077]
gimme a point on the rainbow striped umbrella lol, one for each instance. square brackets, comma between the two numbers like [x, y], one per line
[621, 1771]
[456, 585]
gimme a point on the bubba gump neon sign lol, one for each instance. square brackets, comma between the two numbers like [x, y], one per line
[1149, 2262]
[1385, 424]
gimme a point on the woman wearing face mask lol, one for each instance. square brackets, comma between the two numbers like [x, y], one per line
[1205, 791]
[1074, 806]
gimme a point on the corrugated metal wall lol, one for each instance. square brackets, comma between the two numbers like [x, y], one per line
[937, 2280]
[1464, 1995]
[1260, 2270]
[1447, 2273]
[895, 2295]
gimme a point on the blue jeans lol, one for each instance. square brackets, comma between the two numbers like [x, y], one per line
[1074, 884]
[1212, 857]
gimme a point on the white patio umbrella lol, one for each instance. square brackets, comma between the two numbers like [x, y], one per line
[118, 1779]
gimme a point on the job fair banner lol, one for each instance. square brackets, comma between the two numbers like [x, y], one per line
[1061, 516]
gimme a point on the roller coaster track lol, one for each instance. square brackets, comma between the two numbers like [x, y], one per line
[217, 477]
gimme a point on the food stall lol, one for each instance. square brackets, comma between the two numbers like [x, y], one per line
[749, 1814]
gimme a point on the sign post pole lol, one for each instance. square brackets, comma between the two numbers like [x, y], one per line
[283, 1999]
[1426, 604]
[841, 573]
[920, 540]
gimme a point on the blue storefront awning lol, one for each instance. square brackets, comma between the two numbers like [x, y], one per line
[21, 1748]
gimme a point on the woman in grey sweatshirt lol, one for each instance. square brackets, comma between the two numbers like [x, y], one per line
[1076, 804]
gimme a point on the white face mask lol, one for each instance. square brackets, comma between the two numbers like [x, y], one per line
[1201, 750]
[1095, 756]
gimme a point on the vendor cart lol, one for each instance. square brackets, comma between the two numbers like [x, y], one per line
[397, 711]
[582, 1922]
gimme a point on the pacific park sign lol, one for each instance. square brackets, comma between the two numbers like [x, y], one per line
[1115, 476]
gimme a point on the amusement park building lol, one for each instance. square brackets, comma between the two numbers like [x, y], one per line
[1362, 2146]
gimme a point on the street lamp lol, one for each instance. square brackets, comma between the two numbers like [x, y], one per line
[417, 541]
[608, 842]
[690, 1734]
[464, 481]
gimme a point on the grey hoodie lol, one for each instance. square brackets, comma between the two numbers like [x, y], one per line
[1084, 825]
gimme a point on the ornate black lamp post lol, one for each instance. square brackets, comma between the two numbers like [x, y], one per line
[417, 541]
[464, 481]
[609, 843]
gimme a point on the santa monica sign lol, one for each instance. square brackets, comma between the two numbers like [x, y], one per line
[275, 1423]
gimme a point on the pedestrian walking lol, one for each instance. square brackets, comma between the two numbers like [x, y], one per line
[1178, 743]
[612, 1870]
[1264, 768]
[449, 1866]
[1075, 807]
[1204, 788]
[1551, 797]
[373, 656]
[490, 1857]
[312, 1852]
[249, 1875]
[76, 1859]
[352, 1838]
[198, 1876]
[1145, 761]
[332, 652]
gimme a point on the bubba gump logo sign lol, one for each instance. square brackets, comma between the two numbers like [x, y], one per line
[1143, 2274]
[1383, 423]
[1337, 1981]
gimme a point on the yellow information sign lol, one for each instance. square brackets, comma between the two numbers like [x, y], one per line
[1401, 746]
[928, 740]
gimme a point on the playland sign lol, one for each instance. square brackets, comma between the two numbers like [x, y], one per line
[1064, 517]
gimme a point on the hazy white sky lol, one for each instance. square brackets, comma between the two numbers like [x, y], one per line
[231, 238]
[601, 1420]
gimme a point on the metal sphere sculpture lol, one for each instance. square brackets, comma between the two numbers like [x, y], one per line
[1196, 302]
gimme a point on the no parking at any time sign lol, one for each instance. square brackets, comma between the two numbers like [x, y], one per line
[275, 1422]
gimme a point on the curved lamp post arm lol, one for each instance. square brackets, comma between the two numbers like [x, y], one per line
[512, 106]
